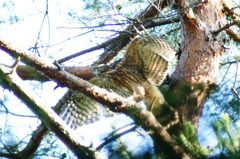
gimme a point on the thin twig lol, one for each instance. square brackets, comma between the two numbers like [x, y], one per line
[88, 50]
[229, 63]
[225, 27]
[46, 15]
[18, 115]
[114, 137]
[94, 26]
[235, 92]
[234, 83]
[235, 79]
[225, 73]
[124, 34]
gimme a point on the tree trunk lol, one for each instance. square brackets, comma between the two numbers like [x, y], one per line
[199, 61]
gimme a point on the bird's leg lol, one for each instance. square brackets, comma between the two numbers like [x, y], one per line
[138, 92]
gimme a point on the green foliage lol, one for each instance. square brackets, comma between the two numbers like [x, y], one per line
[183, 94]
[111, 13]
[228, 136]
[118, 7]
[189, 142]
[94, 5]
[118, 149]
[224, 100]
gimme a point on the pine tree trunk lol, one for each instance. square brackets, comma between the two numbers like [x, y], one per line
[199, 61]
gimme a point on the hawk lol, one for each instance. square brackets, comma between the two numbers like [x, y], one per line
[143, 67]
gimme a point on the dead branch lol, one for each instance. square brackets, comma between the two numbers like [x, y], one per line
[86, 72]
[138, 23]
[113, 46]
[226, 27]
[124, 34]
[29, 73]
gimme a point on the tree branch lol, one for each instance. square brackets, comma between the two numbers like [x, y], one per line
[33, 143]
[230, 62]
[6, 155]
[51, 120]
[112, 137]
[86, 72]
[226, 27]
[111, 100]
[234, 35]
[138, 24]
[36, 139]
[112, 46]
[229, 10]
[29, 73]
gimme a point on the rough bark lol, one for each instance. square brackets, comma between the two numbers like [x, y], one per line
[201, 52]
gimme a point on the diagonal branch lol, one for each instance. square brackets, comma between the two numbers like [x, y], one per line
[226, 27]
[144, 17]
[10, 80]
[112, 137]
[229, 10]
[36, 139]
[33, 143]
[111, 100]
[233, 34]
